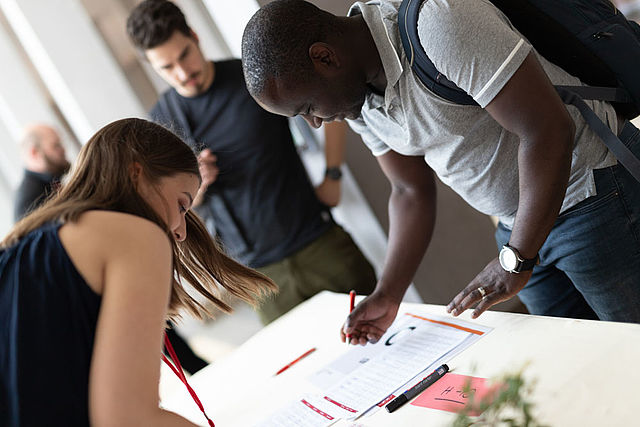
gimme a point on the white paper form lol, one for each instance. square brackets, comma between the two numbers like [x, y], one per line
[476, 332]
[348, 362]
[299, 413]
[364, 376]
[407, 350]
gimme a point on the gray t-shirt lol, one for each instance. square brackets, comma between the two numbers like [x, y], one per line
[475, 46]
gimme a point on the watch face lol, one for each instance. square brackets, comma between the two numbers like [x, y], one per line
[508, 259]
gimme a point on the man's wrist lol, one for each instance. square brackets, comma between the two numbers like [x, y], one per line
[333, 173]
[391, 291]
[512, 261]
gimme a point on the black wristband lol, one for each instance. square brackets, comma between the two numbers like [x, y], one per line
[333, 173]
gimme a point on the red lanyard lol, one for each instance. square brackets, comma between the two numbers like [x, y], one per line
[177, 369]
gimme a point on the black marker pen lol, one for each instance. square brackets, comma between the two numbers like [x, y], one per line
[417, 389]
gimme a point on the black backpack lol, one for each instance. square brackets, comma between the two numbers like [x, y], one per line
[589, 39]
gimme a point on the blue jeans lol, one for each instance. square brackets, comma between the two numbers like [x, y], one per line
[590, 263]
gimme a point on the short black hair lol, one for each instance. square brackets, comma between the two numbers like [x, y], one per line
[153, 22]
[276, 42]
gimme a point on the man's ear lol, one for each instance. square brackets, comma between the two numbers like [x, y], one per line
[34, 151]
[324, 58]
[194, 36]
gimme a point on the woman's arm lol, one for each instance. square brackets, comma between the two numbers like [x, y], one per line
[125, 368]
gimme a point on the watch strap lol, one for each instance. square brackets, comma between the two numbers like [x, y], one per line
[528, 264]
[333, 172]
[523, 263]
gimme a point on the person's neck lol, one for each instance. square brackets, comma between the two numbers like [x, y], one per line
[44, 174]
[36, 166]
[367, 55]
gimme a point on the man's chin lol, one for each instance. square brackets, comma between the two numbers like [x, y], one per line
[355, 111]
[61, 170]
[191, 90]
[352, 115]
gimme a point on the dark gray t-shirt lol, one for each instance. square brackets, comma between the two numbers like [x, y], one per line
[262, 204]
[33, 190]
[475, 46]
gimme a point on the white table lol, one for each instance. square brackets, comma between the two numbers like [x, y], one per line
[587, 372]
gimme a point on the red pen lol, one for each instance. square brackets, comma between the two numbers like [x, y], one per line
[287, 366]
[352, 300]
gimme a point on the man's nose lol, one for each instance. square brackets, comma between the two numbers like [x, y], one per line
[181, 73]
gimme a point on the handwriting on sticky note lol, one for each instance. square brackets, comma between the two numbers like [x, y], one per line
[452, 392]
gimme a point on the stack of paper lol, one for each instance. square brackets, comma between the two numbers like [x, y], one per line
[365, 378]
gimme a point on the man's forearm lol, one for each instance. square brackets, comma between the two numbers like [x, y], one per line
[529, 107]
[335, 135]
[411, 222]
[544, 169]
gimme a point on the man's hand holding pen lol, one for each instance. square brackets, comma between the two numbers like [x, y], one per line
[370, 319]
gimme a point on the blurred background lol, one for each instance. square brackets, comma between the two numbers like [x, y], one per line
[69, 63]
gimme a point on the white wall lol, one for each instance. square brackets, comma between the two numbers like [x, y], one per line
[75, 64]
[231, 17]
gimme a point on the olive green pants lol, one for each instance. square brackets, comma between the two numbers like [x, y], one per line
[332, 262]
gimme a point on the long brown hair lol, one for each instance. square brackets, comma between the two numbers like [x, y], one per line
[101, 179]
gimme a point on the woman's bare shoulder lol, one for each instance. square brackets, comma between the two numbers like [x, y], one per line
[110, 222]
[98, 237]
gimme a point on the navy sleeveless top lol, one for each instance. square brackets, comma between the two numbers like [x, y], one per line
[48, 318]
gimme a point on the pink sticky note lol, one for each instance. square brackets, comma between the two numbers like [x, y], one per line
[448, 394]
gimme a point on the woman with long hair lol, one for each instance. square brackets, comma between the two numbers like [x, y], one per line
[88, 280]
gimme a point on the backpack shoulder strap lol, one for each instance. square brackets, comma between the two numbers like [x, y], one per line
[421, 65]
[437, 83]
[624, 155]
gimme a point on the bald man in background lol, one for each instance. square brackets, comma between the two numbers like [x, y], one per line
[45, 162]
